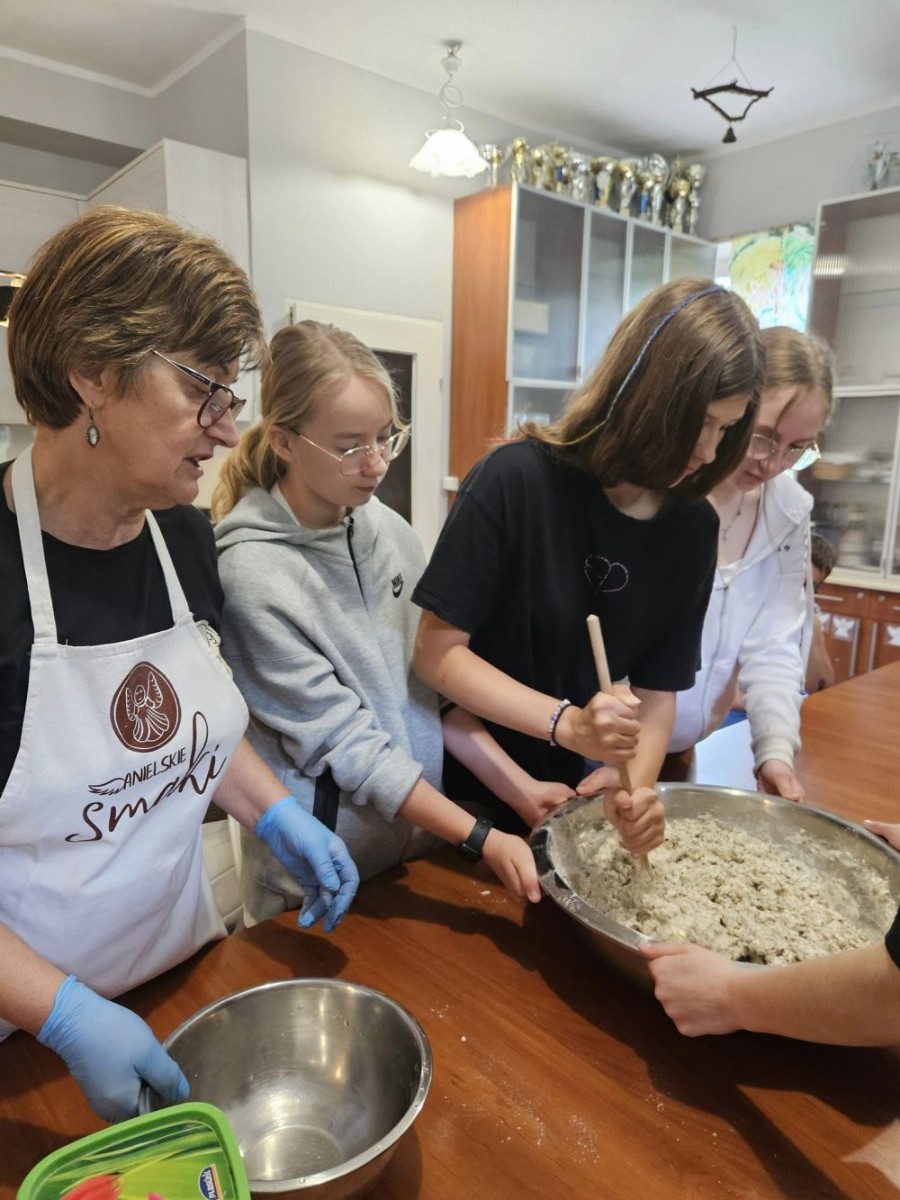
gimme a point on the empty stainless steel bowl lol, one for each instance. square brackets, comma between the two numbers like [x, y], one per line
[555, 845]
[319, 1079]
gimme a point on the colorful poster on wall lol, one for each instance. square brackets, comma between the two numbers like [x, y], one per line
[772, 271]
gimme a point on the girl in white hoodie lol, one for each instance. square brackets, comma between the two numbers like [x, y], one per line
[758, 626]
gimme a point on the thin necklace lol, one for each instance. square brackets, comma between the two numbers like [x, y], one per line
[725, 533]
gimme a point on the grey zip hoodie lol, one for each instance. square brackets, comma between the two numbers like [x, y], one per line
[322, 650]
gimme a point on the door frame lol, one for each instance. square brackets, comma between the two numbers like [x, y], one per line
[424, 341]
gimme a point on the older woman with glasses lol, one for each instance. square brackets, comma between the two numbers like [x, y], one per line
[118, 718]
[319, 626]
[758, 627]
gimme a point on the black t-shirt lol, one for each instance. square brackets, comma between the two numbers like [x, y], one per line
[533, 545]
[892, 940]
[99, 597]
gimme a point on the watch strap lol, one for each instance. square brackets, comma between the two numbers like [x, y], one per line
[473, 847]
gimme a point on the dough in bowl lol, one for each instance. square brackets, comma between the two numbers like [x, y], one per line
[735, 891]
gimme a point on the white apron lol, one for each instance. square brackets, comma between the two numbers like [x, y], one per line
[101, 867]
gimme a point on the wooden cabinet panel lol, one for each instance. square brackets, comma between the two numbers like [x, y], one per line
[848, 601]
[842, 637]
[861, 626]
[884, 646]
[481, 262]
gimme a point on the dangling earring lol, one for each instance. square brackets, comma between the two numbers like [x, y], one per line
[93, 433]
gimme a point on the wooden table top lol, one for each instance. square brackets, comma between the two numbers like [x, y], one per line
[554, 1076]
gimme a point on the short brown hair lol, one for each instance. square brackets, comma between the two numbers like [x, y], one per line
[109, 288]
[700, 344]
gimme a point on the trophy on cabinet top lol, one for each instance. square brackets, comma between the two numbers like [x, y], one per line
[625, 172]
[659, 169]
[601, 176]
[645, 194]
[520, 166]
[494, 156]
[558, 177]
[579, 176]
[696, 173]
[539, 157]
[678, 208]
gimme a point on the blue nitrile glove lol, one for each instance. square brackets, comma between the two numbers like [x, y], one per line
[315, 856]
[110, 1051]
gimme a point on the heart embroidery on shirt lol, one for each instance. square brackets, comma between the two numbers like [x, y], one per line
[605, 576]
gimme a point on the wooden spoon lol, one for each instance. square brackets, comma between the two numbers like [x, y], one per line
[601, 663]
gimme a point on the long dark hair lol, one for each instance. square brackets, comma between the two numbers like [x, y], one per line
[639, 415]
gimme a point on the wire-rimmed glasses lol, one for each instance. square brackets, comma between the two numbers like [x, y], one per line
[797, 458]
[352, 461]
[220, 399]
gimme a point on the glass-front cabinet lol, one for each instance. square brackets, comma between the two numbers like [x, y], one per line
[540, 282]
[855, 306]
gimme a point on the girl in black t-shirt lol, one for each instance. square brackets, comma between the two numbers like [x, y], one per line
[600, 512]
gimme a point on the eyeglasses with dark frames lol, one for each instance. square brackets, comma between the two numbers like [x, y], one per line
[352, 461]
[220, 399]
[797, 458]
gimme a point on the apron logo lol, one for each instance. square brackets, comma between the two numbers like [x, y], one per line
[145, 712]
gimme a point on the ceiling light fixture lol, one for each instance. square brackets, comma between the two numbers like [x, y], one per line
[447, 151]
[731, 89]
[9, 281]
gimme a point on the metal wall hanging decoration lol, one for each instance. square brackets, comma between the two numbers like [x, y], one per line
[734, 90]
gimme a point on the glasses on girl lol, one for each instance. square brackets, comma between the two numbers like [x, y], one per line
[352, 460]
[797, 458]
[220, 399]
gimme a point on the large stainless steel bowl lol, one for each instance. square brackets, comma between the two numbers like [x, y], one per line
[554, 843]
[319, 1079]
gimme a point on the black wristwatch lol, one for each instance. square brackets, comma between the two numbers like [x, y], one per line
[473, 847]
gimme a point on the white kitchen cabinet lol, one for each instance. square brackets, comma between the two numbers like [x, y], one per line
[855, 306]
[28, 216]
[201, 188]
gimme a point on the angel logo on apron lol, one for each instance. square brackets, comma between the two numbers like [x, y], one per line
[145, 711]
[122, 747]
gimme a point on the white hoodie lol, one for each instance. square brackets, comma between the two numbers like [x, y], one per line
[757, 633]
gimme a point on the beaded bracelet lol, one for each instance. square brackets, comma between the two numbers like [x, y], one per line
[554, 720]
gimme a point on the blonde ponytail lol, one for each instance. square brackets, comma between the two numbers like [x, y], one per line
[252, 463]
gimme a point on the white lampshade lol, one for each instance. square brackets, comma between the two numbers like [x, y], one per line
[448, 152]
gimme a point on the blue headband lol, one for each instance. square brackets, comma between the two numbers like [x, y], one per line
[710, 291]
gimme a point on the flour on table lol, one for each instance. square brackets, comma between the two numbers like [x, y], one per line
[733, 891]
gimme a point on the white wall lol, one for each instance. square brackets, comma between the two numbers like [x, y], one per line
[337, 215]
[208, 106]
[784, 181]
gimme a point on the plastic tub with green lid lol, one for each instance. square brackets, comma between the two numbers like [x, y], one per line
[187, 1152]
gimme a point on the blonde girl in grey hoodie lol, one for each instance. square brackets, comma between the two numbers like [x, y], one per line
[318, 625]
